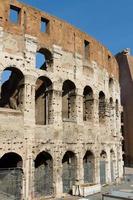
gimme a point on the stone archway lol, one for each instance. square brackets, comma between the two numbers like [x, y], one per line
[43, 175]
[12, 88]
[88, 163]
[11, 176]
[68, 101]
[103, 163]
[88, 104]
[112, 165]
[43, 100]
[69, 165]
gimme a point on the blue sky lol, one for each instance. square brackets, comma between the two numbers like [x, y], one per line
[109, 21]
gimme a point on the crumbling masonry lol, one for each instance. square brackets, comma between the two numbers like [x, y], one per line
[59, 119]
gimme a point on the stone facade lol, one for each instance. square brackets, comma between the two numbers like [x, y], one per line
[125, 61]
[60, 123]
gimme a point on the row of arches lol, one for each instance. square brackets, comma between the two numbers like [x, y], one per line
[44, 60]
[12, 96]
[11, 167]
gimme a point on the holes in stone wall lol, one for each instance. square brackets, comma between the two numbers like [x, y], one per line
[68, 100]
[12, 88]
[102, 106]
[44, 59]
[14, 14]
[43, 98]
[87, 103]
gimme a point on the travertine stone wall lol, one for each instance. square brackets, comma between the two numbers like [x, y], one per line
[19, 132]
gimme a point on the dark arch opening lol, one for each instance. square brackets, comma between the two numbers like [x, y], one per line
[44, 59]
[69, 165]
[111, 106]
[68, 101]
[102, 107]
[44, 174]
[12, 88]
[10, 160]
[88, 163]
[103, 158]
[11, 175]
[117, 108]
[112, 165]
[43, 98]
[111, 82]
[87, 104]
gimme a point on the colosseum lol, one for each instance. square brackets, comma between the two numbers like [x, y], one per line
[59, 107]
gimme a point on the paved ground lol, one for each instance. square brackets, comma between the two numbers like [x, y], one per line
[126, 186]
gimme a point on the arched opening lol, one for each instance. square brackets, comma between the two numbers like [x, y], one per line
[112, 165]
[88, 163]
[117, 108]
[102, 107]
[69, 169]
[111, 115]
[44, 175]
[43, 98]
[111, 85]
[111, 105]
[87, 104]
[103, 159]
[68, 101]
[44, 59]
[12, 88]
[11, 176]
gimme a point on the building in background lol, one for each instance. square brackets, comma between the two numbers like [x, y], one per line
[125, 61]
[59, 106]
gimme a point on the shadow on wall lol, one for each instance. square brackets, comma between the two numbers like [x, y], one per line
[125, 62]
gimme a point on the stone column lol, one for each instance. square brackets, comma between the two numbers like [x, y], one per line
[120, 160]
[55, 110]
[95, 121]
[108, 167]
[29, 100]
[79, 106]
[80, 168]
[118, 120]
[97, 169]
[107, 116]
[57, 177]
[28, 171]
[57, 55]
[113, 120]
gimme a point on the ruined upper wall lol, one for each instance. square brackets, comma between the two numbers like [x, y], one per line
[58, 32]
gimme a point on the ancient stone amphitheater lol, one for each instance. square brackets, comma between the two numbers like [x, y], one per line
[59, 106]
